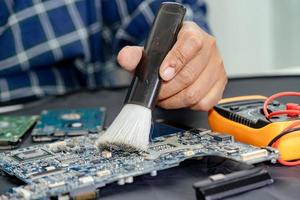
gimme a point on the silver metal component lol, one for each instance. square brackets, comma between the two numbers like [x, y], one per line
[121, 181]
[71, 116]
[153, 173]
[129, 179]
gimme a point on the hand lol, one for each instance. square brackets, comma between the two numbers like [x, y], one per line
[193, 71]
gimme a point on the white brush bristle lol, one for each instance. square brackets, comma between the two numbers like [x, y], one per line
[131, 128]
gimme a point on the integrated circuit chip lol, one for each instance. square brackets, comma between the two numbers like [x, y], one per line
[60, 123]
[76, 167]
[13, 129]
[31, 154]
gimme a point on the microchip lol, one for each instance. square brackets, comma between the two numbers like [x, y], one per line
[31, 155]
[221, 137]
[61, 123]
[161, 147]
[13, 129]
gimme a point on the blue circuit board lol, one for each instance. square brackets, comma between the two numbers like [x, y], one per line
[75, 168]
[60, 123]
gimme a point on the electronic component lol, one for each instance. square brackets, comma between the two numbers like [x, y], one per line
[106, 154]
[161, 129]
[221, 137]
[76, 167]
[219, 186]
[31, 155]
[228, 177]
[61, 123]
[13, 129]
[260, 153]
[244, 118]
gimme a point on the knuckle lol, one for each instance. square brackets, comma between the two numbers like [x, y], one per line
[120, 55]
[192, 97]
[212, 42]
[180, 57]
[226, 80]
[190, 28]
[196, 42]
[204, 105]
[190, 24]
[221, 63]
[186, 76]
[187, 32]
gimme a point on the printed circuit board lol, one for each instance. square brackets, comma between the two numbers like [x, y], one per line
[76, 168]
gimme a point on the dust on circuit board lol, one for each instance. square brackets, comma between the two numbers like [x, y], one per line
[75, 167]
[61, 123]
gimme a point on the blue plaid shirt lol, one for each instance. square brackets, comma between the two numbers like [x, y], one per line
[50, 47]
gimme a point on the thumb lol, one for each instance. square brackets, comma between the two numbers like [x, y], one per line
[130, 56]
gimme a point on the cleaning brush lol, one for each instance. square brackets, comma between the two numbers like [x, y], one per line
[131, 128]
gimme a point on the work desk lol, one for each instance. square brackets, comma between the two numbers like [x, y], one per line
[176, 183]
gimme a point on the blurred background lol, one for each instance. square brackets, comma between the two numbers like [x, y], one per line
[257, 37]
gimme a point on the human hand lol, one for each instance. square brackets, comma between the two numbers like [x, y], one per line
[193, 72]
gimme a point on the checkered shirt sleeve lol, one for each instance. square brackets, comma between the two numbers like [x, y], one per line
[50, 47]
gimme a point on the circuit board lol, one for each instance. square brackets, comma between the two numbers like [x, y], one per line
[75, 168]
[61, 123]
[13, 128]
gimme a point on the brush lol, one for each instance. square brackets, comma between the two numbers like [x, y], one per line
[131, 128]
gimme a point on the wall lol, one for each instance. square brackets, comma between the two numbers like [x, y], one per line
[252, 34]
[286, 30]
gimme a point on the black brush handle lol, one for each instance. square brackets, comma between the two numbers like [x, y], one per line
[146, 82]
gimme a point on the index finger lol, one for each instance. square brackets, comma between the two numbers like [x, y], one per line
[189, 42]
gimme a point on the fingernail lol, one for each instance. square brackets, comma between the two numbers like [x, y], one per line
[168, 74]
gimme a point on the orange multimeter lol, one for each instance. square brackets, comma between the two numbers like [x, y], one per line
[245, 119]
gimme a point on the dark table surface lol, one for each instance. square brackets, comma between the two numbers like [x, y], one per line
[177, 183]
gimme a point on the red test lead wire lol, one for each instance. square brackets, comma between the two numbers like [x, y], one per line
[292, 110]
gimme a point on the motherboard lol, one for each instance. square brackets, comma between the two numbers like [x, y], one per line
[13, 129]
[75, 168]
[61, 123]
